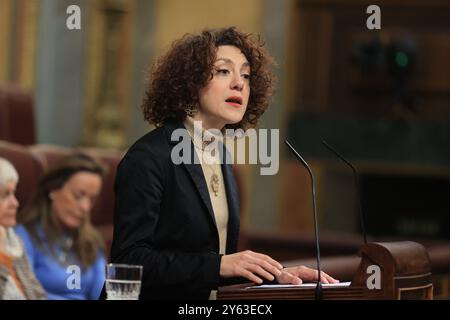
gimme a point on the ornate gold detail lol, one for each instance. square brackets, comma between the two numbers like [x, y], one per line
[109, 67]
[215, 183]
[18, 40]
[5, 38]
[29, 38]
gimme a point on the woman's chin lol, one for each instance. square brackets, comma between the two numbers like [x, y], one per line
[233, 119]
[73, 224]
[9, 223]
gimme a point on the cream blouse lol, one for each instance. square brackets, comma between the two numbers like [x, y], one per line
[210, 162]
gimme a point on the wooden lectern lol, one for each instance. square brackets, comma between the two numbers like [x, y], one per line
[404, 273]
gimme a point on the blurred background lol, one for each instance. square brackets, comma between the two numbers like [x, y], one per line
[380, 97]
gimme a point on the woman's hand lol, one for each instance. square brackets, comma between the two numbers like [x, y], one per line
[250, 265]
[300, 274]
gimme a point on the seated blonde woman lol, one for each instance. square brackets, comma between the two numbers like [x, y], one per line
[17, 281]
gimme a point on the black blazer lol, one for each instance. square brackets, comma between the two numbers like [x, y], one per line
[164, 219]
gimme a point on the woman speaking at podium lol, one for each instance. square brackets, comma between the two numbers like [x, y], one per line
[180, 221]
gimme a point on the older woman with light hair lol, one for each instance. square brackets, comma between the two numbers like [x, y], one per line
[17, 280]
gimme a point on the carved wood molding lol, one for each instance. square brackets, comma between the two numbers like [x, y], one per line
[110, 33]
[18, 39]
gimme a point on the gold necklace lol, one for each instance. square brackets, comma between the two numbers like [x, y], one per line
[214, 179]
[65, 248]
[214, 182]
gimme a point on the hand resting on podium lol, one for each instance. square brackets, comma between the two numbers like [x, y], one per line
[299, 274]
[258, 267]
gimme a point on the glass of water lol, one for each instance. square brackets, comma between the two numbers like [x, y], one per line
[123, 281]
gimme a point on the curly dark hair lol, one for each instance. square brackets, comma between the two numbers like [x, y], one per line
[176, 78]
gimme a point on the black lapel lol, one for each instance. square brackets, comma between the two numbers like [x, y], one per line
[196, 173]
[194, 169]
[233, 201]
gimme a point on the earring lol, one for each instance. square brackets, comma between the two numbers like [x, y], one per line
[190, 110]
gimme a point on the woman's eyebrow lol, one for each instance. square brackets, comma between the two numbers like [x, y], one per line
[226, 60]
[229, 61]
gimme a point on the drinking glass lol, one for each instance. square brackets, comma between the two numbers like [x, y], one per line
[123, 281]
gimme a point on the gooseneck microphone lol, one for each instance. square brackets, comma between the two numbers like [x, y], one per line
[316, 229]
[358, 194]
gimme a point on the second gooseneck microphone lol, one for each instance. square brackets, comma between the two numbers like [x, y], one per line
[316, 228]
[358, 192]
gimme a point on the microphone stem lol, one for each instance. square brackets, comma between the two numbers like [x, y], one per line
[316, 231]
[358, 189]
[316, 228]
[361, 217]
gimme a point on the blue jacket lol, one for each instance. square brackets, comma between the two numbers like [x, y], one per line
[63, 282]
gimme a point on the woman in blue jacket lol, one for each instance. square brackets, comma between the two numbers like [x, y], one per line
[64, 249]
